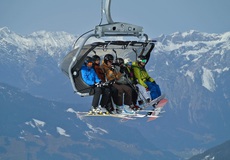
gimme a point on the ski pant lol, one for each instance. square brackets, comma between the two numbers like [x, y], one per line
[113, 93]
[105, 91]
[134, 95]
[106, 95]
[96, 97]
[154, 89]
[122, 88]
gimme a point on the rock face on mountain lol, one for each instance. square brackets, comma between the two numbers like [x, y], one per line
[192, 68]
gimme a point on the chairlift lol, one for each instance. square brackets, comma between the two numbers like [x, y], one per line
[126, 49]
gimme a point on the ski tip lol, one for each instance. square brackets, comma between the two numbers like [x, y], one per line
[151, 119]
[164, 100]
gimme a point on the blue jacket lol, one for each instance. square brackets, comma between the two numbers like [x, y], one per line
[89, 75]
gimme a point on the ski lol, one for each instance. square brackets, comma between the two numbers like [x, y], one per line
[123, 116]
[159, 103]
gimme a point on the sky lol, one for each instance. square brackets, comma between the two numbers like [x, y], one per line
[78, 16]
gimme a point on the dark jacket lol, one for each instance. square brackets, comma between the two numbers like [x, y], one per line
[100, 73]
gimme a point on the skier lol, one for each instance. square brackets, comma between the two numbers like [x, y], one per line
[105, 103]
[113, 74]
[90, 77]
[128, 72]
[144, 79]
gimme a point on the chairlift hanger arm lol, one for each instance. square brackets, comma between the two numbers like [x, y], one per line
[107, 11]
[116, 28]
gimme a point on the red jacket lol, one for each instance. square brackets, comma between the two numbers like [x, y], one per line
[99, 72]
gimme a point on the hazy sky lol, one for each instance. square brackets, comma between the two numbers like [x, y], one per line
[78, 16]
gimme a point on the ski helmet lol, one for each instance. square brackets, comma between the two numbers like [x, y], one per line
[96, 57]
[88, 60]
[142, 59]
[108, 57]
[119, 61]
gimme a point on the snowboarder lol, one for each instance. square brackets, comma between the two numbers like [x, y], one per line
[144, 79]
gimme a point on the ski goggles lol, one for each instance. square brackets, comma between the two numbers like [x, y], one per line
[143, 60]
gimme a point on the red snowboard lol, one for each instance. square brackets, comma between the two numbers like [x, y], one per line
[158, 109]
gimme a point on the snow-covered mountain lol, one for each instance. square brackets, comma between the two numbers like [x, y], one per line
[192, 68]
[206, 53]
[32, 62]
[196, 66]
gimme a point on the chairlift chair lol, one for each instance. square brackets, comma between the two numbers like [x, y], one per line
[126, 49]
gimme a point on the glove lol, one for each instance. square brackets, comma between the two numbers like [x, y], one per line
[154, 82]
[112, 67]
[98, 84]
[106, 84]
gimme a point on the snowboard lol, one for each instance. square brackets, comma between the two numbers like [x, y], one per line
[153, 102]
[122, 116]
[158, 109]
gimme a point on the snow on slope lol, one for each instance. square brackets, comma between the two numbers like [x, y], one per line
[45, 40]
[196, 52]
[62, 132]
[208, 80]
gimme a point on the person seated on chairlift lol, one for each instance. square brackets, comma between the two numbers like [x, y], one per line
[144, 79]
[113, 74]
[128, 73]
[105, 103]
[143, 95]
[90, 77]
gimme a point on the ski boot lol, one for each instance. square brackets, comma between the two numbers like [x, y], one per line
[110, 110]
[136, 108]
[118, 109]
[93, 111]
[128, 109]
[102, 110]
[148, 100]
[154, 107]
